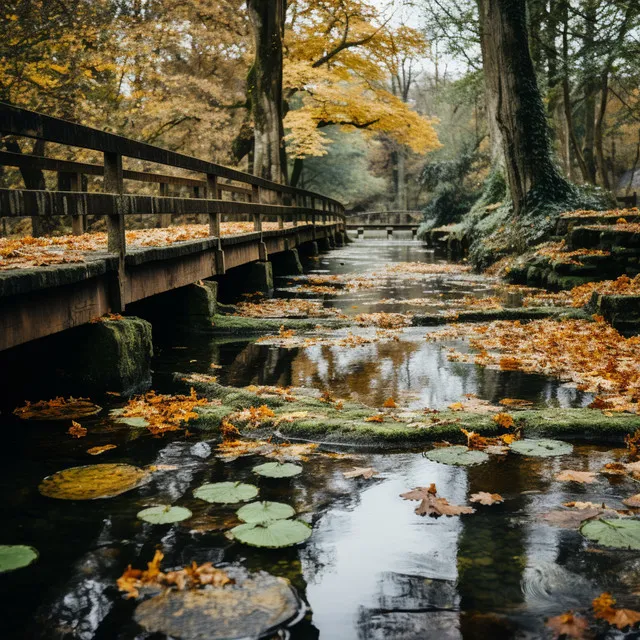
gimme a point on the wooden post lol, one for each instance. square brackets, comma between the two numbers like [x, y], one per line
[71, 181]
[255, 198]
[116, 242]
[279, 217]
[165, 218]
[213, 194]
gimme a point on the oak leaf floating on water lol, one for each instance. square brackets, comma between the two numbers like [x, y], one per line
[76, 430]
[433, 506]
[571, 518]
[582, 477]
[603, 609]
[569, 625]
[486, 498]
[361, 472]
[96, 451]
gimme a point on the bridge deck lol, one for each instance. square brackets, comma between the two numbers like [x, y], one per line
[37, 302]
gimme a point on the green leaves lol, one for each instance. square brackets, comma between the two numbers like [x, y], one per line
[457, 455]
[272, 535]
[16, 556]
[277, 470]
[620, 534]
[261, 512]
[164, 514]
[542, 448]
[226, 492]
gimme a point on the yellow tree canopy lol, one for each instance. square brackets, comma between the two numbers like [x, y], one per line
[338, 64]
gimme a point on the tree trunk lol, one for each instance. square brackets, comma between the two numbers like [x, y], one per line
[401, 194]
[599, 132]
[519, 111]
[265, 89]
[590, 90]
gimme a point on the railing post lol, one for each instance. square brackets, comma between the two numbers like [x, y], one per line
[165, 218]
[71, 181]
[116, 242]
[255, 198]
[280, 201]
[212, 194]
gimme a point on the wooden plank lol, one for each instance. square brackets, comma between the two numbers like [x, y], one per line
[71, 181]
[25, 203]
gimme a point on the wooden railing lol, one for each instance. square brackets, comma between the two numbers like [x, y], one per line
[253, 196]
[629, 201]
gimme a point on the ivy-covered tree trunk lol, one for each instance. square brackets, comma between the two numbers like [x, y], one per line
[265, 89]
[514, 99]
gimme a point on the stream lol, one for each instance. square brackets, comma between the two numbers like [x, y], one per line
[372, 569]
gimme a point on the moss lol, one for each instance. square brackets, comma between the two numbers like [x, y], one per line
[240, 325]
[325, 423]
[489, 315]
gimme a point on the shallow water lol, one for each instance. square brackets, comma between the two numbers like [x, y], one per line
[372, 569]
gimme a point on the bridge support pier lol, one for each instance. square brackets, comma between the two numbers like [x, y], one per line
[309, 248]
[286, 263]
[340, 241]
[260, 278]
[389, 232]
[108, 355]
[360, 232]
[324, 244]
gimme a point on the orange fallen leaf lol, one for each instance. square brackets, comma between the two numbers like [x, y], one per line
[96, 451]
[390, 403]
[569, 625]
[603, 609]
[77, 430]
[377, 418]
[633, 501]
[503, 420]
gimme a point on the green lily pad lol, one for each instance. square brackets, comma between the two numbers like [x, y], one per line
[272, 535]
[278, 470]
[458, 455]
[542, 448]
[226, 492]
[134, 422]
[164, 514]
[259, 512]
[620, 534]
[16, 556]
[92, 481]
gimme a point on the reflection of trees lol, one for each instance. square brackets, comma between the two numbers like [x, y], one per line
[491, 549]
[411, 608]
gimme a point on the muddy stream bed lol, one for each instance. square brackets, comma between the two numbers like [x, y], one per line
[372, 569]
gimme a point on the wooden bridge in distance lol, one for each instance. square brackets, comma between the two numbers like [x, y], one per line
[43, 300]
[388, 221]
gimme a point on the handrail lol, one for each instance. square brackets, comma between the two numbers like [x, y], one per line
[70, 200]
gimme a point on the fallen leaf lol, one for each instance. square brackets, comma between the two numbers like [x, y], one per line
[583, 477]
[571, 519]
[377, 418]
[483, 497]
[77, 430]
[503, 420]
[432, 506]
[96, 451]
[390, 403]
[569, 625]
[633, 501]
[358, 472]
[603, 609]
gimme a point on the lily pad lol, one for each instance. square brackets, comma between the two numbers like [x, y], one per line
[226, 492]
[254, 607]
[272, 535]
[58, 409]
[16, 556]
[278, 470]
[542, 448]
[164, 514]
[92, 481]
[620, 534]
[259, 512]
[134, 422]
[458, 455]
